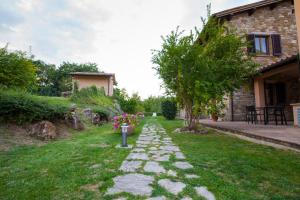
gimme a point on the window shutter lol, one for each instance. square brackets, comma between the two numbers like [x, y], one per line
[251, 43]
[276, 43]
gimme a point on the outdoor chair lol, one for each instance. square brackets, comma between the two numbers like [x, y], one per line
[253, 114]
[278, 114]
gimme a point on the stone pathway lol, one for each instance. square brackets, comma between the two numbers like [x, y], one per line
[153, 153]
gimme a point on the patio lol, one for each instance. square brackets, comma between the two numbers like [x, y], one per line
[283, 135]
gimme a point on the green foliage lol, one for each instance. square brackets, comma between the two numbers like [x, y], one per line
[46, 79]
[92, 96]
[201, 67]
[16, 69]
[20, 107]
[128, 104]
[153, 104]
[169, 109]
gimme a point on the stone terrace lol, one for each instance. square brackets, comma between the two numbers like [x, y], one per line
[283, 135]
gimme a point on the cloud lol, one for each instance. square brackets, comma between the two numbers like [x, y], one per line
[116, 34]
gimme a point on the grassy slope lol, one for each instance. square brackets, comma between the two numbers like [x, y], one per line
[237, 169]
[63, 169]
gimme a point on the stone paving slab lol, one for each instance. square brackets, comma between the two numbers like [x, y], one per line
[154, 167]
[183, 165]
[136, 184]
[171, 186]
[130, 166]
[203, 192]
[151, 155]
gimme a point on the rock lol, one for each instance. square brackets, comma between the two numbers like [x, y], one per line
[137, 156]
[130, 166]
[203, 192]
[172, 187]
[88, 113]
[161, 158]
[183, 165]
[72, 119]
[135, 184]
[154, 167]
[43, 130]
[186, 198]
[158, 198]
[172, 173]
[179, 155]
[191, 176]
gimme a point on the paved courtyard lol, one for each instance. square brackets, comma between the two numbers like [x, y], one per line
[284, 135]
[156, 161]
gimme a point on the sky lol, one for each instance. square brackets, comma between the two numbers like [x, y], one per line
[118, 35]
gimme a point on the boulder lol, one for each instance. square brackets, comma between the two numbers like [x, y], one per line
[43, 130]
[72, 120]
[88, 113]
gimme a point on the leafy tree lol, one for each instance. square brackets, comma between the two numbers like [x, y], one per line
[201, 67]
[16, 69]
[169, 109]
[128, 104]
[46, 79]
[153, 104]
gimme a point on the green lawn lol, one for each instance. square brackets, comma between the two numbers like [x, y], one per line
[235, 169]
[82, 167]
[73, 168]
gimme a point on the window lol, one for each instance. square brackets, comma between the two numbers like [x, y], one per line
[261, 45]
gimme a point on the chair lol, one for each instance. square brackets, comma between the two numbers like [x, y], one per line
[253, 113]
[278, 111]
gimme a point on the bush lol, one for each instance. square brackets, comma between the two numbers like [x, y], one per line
[169, 109]
[125, 118]
[20, 107]
[103, 113]
[92, 96]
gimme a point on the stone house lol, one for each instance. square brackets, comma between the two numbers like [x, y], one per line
[270, 26]
[100, 80]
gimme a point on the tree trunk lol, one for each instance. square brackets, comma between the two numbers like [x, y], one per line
[191, 119]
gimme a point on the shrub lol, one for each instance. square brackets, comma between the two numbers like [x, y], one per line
[93, 96]
[169, 109]
[103, 113]
[20, 107]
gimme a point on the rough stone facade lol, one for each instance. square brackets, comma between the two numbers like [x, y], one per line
[280, 20]
[265, 20]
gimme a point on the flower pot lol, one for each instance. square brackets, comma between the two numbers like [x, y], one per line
[214, 117]
[130, 130]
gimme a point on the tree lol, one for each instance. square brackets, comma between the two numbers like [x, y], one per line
[46, 79]
[153, 104]
[128, 104]
[201, 67]
[169, 108]
[16, 69]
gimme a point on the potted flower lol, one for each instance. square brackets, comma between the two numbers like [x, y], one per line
[130, 120]
[215, 109]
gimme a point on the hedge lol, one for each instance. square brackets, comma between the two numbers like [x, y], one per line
[20, 107]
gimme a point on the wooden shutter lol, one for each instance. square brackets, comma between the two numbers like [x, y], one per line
[251, 43]
[276, 43]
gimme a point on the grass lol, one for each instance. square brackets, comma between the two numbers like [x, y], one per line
[81, 167]
[235, 169]
[74, 168]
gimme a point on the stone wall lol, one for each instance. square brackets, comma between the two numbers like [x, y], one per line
[238, 102]
[280, 20]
